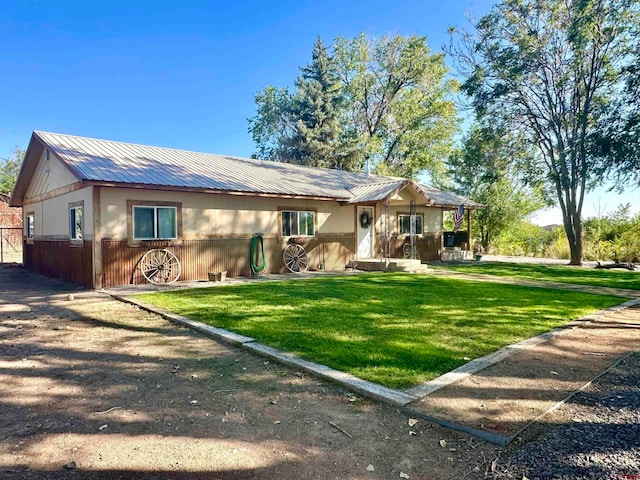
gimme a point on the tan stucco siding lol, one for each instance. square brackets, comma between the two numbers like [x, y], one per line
[49, 176]
[51, 216]
[432, 220]
[221, 214]
[406, 195]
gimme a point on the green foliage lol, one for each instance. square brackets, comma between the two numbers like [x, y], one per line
[387, 100]
[616, 236]
[9, 170]
[400, 102]
[617, 139]
[272, 124]
[488, 169]
[523, 239]
[373, 326]
[612, 237]
[543, 68]
[305, 126]
[315, 111]
[559, 246]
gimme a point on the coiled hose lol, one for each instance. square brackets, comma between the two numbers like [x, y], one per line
[257, 255]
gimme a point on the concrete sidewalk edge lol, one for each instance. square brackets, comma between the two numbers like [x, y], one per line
[380, 392]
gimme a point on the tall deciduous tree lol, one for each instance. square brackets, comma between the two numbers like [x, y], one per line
[489, 168]
[385, 99]
[543, 67]
[9, 169]
[617, 140]
[400, 106]
[272, 125]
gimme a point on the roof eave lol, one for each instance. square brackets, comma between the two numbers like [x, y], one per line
[474, 206]
[391, 194]
[177, 188]
[34, 150]
[27, 170]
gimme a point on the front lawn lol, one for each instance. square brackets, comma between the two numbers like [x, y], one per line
[395, 329]
[553, 273]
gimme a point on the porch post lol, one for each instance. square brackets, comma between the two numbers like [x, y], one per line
[469, 247]
[387, 233]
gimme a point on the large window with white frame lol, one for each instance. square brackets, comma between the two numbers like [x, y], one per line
[404, 224]
[298, 223]
[154, 222]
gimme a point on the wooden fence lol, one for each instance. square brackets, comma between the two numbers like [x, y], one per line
[10, 244]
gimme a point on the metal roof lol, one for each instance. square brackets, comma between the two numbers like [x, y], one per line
[442, 198]
[374, 192]
[105, 161]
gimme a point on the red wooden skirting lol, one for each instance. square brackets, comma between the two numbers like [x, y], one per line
[59, 259]
[199, 257]
[429, 246]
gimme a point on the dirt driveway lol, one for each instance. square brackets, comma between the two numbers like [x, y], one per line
[94, 388]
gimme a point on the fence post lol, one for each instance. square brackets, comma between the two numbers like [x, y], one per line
[1, 245]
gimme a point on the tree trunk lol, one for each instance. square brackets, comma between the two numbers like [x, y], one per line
[576, 251]
[486, 242]
[573, 229]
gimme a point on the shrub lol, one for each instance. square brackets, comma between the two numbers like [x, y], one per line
[523, 239]
[559, 246]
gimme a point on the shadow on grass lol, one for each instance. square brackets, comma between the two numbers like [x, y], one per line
[395, 329]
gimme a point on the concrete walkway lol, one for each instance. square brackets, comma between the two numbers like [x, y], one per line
[481, 277]
[493, 397]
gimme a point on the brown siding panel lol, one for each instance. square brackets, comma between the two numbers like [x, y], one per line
[58, 259]
[429, 246]
[199, 257]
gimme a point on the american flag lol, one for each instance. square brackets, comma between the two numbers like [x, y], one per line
[458, 217]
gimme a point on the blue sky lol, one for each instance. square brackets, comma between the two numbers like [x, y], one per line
[180, 74]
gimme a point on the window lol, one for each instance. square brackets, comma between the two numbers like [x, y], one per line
[296, 223]
[75, 223]
[154, 223]
[29, 226]
[404, 223]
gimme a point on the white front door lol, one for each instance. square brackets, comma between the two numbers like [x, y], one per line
[365, 232]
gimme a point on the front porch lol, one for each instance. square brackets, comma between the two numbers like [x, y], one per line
[403, 220]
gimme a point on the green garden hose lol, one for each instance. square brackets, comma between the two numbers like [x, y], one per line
[255, 256]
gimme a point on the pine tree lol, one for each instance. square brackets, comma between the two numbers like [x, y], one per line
[316, 109]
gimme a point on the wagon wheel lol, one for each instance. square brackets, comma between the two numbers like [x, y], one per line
[406, 251]
[295, 258]
[160, 266]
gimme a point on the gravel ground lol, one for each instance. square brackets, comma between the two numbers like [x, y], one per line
[598, 436]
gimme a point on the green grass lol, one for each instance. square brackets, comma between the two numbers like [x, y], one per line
[554, 273]
[394, 329]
